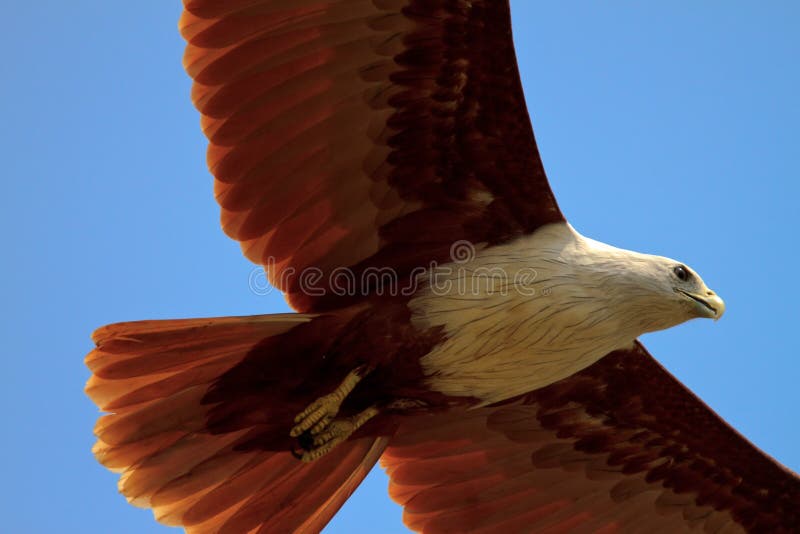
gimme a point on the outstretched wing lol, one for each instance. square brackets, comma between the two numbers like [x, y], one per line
[619, 447]
[363, 133]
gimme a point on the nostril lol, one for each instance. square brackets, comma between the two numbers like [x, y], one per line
[710, 293]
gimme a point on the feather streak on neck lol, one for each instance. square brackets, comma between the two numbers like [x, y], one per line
[524, 314]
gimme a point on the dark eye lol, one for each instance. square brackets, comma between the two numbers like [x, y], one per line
[681, 272]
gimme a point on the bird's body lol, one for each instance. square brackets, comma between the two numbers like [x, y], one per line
[376, 157]
[525, 314]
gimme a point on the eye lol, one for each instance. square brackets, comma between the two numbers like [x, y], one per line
[681, 272]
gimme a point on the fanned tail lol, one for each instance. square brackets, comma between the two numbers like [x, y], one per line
[204, 462]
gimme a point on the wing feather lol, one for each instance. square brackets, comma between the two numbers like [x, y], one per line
[620, 447]
[363, 133]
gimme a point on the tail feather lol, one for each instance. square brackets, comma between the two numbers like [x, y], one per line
[139, 485]
[294, 499]
[265, 469]
[114, 395]
[142, 421]
[146, 348]
[119, 457]
[205, 477]
[154, 378]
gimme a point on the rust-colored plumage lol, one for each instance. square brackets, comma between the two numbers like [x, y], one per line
[339, 129]
[619, 447]
[366, 134]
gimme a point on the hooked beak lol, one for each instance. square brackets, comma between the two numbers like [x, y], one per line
[707, 304]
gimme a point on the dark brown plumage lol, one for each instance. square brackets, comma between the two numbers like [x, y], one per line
[619, 447]
[377, 133]
[431, 103]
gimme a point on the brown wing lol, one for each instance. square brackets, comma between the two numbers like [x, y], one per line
[619, 447]
[357, 133]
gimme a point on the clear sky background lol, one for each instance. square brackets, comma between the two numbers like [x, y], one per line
[669, 129]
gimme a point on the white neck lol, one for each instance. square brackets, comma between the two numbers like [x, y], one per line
[525, 314]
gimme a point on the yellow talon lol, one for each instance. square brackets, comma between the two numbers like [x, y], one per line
[319, 413]
[335, 433]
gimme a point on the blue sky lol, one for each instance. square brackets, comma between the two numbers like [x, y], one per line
[670, 130]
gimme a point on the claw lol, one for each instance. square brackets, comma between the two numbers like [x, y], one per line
[315, 454]
[334, 433]
[320, 412]
[320, 426]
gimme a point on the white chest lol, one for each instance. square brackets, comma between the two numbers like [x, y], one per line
[520, 316]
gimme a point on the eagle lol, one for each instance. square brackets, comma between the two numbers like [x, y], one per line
[376, 157]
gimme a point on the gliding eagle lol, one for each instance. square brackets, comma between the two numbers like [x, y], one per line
[376, 156]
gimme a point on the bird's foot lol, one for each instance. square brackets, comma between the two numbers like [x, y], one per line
[319, 414]
[320, 440]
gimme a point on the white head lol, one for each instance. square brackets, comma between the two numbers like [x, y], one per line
[653, 292]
